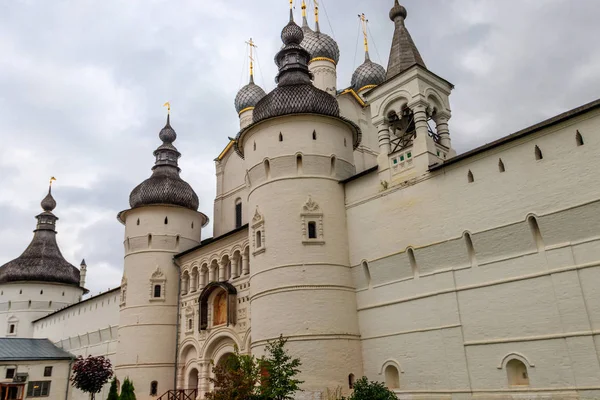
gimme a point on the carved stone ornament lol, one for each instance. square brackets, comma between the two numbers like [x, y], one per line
[124, 281]
[311, 205]
[257, 217]
[158, 274]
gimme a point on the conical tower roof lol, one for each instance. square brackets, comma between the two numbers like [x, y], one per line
[404, 53]
[42, 260]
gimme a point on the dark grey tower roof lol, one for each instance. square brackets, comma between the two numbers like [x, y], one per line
[165, 186]
[248, 96]
[42, 260]
[318, 44]
[367, 75]
[404, 53]
[295, 93]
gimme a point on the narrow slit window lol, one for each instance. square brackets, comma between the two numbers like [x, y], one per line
[299, 164]
[501, 167]
[166, 220]
[413, 263]
[258, 239]
[238, 213]
[267, 169]
[138, 221]
[280, 137]
[312, 230]
[154, 388]
[351, 381]
[314, 135]
[538, 153]
[470, 177]
[536, 232]
[332, 166]
[367, 273]
[11, 329]
[157, 291]
[579, 139]
[254, 146]
[470, 249]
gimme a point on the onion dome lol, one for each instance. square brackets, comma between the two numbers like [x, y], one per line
[368, 75]
[42, 261]
[320, 45]
[295, 93]
[165, 186]
[248, 96]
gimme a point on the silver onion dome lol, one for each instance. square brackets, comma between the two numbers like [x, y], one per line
[367, 75]
[321, 45]
[248, 96]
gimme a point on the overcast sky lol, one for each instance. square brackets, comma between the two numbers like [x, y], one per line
[82, 83]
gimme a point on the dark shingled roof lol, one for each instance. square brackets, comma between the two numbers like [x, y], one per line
[20, 349]
[295, 93]
[404, 53]
[42, 261]
[165, 186]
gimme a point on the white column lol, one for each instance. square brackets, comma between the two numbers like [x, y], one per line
[245, 264]
[234, 267]
[442, 130]
[384, 139]
[222, 270]
[211, 273]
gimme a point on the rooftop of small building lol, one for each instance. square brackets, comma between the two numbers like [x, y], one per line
[24, 349]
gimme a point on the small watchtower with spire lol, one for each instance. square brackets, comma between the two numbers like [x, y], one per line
[410, 108]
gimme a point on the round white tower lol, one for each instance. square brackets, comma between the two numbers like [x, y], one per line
[324, 54]
[39, 281]
[296, 151]
[163, 221]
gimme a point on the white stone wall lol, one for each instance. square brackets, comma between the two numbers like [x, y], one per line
[453, 316]
[231, 186]
[59, 381]
[86, 328]
[21, 303]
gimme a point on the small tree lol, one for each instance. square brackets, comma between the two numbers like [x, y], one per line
[113, 392]
[127, 390]
[278, 372]
[235, 379]
[365, 390]
[91, 374]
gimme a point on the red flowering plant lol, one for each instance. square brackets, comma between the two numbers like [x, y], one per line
[91, 374]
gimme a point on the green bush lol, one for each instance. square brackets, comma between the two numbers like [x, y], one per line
[113, 393]
[127, 390]
[365, 390]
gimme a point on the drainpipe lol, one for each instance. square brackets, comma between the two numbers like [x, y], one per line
[178, 321]
[68, 379]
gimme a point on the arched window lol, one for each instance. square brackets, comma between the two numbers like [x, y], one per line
[157, 290]
[367, 273]
[470, 249]
[314, 135]
[501, 166]
[267, 169]
[579, 139]
[413, 262]
[258, 239]
[470, 177]
[517, 374]
[299, 164]
[280, 137]
[535, 231]
[166, 220]
[312, 230]
[392, 377]
[154, 388]
[238, 213]
[149, 240]
[332, 167]
[538, 153]
[11, 329]
[351, 381]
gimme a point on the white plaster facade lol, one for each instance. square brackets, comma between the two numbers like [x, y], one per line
[447, 277]
[56, 381]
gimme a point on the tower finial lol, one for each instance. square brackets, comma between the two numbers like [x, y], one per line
[168, 105]
[252, 46]
[291, 10]
[52, 179]
[364, 22]
[303, 8]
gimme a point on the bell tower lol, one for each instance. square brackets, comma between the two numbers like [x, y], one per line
[411, 110]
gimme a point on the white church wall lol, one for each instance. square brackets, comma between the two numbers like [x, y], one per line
[514, 294]
[35, 370]
[232, 189]
[85, 328]
[21, 303]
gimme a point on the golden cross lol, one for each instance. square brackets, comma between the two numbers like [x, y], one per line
[291, 4]
[365, 21]
[52, 179]
[303, 8]
[252, 46]
[316, 10]
[168, 105]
